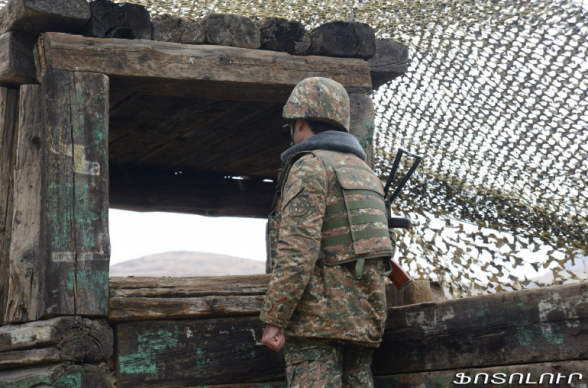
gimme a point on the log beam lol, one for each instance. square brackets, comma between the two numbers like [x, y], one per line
[34, 17]
[529, 326]
[64, 375]
[169, 191]
[60, 339]
[8, 128]
[390, 62]
[17, 65]
[210, 72]
[74, 194]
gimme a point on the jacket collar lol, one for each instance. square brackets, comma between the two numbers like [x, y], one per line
[329, 141]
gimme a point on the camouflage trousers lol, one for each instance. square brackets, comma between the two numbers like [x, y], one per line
[326, 363]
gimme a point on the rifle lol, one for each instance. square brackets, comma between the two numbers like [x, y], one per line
[399, 277]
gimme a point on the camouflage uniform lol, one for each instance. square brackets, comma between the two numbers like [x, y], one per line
[329, 214]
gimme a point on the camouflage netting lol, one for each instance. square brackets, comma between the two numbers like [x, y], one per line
[495, 100]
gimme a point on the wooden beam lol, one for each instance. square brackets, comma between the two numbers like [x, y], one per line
[212, 72]
[528, 375]
[34, 17]
[529, 326]
[179, 298]
[74, 194]
[17, 65]
[8, 128]
[194, 352]
[64, 375]
[390, 62]
[362, 121]
[170, 191]
[24, 288]
[116, 20]
[60, 339]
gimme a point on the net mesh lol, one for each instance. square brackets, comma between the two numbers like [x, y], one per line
[495, 101]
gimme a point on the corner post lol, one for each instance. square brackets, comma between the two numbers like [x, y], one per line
[362, 120]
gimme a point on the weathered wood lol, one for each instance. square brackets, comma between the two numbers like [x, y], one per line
[279, 34]
[60, 339]
[390, 62]
[362, 121]
[164, 68]
[169, 28]
[177, 298]
[8, 128]
[344, 39]
[24, 288]
[529, 326]
[34, 17]
[152, 190]
[528, 375]
[17, 65]
[129, 287]
[74, 194]
[114, 20]
[438, 292]
[419, 291]
[194, 352]
[64, 375]
[230, 30]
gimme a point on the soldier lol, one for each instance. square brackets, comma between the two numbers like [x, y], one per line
[327, 238]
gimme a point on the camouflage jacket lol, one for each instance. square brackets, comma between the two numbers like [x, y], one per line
[306, 295]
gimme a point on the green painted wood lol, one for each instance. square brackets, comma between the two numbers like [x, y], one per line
[201, 352]
[74, 192]
[529, 326]
[8, 128]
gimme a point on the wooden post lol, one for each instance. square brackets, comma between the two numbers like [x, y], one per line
[24, 291]
[8, 125]
[362, 120]
[75, 245]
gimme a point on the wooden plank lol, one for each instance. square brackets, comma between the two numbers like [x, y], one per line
[157, 287]
[152, 190]
[537, 375]
[17, 65]
[178, 298]
[194, 352]
[24, 288]
[64, 375]
[529, 326]
[115, 20]
[74, 194]
[362, 121]
[8, 127]
[165, 68]
[34, 17]
[60, 339]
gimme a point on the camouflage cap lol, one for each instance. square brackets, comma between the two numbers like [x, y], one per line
[321, 99]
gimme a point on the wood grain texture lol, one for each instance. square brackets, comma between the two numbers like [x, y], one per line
[34, 17]
[60, 339]
[495, 376]
[179, 29]
[230, 30]
[173, 69]
[116, 20]
[529, 326]
[24, 287]
[194, 352]
[74, 194]
[8, 128]
[178, 298]
[390, 62]
[17, 65]
[284, 35]
[63, 375]
[362, 121]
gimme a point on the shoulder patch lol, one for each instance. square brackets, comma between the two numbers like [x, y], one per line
[299, 206]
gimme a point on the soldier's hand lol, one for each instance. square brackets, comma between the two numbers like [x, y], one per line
[273, 337]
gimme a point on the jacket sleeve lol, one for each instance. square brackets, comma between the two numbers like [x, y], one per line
[299, 239]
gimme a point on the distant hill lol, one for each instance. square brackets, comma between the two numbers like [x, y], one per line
[187, 264]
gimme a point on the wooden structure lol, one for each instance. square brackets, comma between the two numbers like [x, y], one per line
[96, 114]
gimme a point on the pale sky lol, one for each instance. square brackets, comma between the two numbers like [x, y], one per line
[133, 235]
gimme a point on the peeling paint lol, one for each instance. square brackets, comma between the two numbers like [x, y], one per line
[144, 360]
[42, 333]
